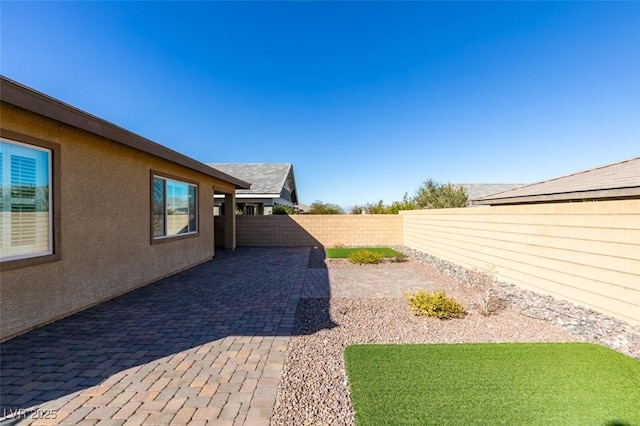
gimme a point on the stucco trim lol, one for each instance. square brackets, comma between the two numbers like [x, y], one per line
[55, 177]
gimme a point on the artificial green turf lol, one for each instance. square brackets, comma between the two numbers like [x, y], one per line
[334, 253]
[493, 384]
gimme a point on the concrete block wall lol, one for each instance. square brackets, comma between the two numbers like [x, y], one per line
[324, 230]
[585, 252]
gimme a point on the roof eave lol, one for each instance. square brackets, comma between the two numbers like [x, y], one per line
[256, 195]
[293, 190]
[16, 94]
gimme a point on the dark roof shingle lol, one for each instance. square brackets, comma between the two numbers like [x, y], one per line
[265, 178]
[617, 180]
[478, 190]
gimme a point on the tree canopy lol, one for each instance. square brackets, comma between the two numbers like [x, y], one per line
[429, 195]
[433, 195]
[407, 203]
[318, 207]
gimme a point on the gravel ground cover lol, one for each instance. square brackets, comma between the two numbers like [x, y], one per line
[314, 390]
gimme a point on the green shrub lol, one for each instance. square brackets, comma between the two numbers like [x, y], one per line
[434, 195]
[434, 305]
[365, 256]
[318, 207]
[280, 209]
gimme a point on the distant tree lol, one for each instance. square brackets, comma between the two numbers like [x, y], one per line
[280, 209]
[406, 204]
[357, 209]
[433, 195]
[318, 207]
[378, 208]
[430, 195]
[381, 208]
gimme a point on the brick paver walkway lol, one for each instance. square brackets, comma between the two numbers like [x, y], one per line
[205, 346]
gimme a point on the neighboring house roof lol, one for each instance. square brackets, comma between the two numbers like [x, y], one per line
[303, 208]
[611, 181]
[478, 190]
[21, 96]
[270, 180]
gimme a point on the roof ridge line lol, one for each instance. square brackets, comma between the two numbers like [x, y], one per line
[565, 176]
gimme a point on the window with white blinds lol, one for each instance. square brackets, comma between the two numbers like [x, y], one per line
[25, 201]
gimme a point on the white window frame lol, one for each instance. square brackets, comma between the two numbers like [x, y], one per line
[6, 224]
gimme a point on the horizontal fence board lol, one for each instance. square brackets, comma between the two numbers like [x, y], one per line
[574, 243]
[577, 255]
[626, 221]
[588, 253]
[622, 236]
[556, 272]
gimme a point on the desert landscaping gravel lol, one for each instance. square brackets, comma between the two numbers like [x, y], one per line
[313, 388]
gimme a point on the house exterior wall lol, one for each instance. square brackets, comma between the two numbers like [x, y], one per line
[588, 252]
[325, 230]
[105, 231]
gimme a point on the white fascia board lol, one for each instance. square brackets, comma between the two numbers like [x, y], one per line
[266, 197]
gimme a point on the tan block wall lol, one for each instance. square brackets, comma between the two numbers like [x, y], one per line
[106, 246]
[324, 230]
[588, 253]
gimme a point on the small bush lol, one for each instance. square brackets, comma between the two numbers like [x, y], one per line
[365, 256]
[400, 257]
[434, 305]
[487, 301]
[279, 209]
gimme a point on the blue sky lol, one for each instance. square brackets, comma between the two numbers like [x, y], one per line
[366, 99]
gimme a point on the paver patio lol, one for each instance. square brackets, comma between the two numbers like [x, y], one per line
[205, 346]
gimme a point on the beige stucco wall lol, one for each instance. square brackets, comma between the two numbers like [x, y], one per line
[105, 247]
[587, 252]
[325, 230]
